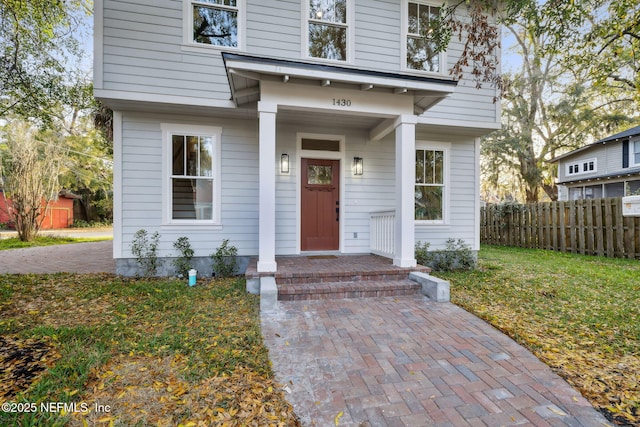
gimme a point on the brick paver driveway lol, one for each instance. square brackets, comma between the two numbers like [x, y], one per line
[90, 257]
[406, 361]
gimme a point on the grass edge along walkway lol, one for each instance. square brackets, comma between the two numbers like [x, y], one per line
[123, 351]
[578, 314]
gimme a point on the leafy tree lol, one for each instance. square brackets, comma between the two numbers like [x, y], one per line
[610, 51]
[30, 166]
[549, 107]
[40, 82]
[35, 44]
[603, 35]
[87, 166]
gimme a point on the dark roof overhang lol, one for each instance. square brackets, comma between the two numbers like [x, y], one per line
[627, 134]
[245, 72]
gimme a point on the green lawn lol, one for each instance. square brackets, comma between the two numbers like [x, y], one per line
[154, 352]
[158, 352]
[45, 240]
[578, 314]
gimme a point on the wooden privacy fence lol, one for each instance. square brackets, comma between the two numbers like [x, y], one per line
[591, 226]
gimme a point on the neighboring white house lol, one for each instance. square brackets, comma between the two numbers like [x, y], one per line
[288, 127]
[609, 167]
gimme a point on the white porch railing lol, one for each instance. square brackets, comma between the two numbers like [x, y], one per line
[382, 233]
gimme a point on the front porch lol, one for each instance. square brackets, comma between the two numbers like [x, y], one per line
[312, 120]
[342, 276]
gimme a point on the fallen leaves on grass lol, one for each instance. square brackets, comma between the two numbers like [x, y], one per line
[571, 314]
[22, 361]
[154, 351]
[153, 391]
[610, 382]
[55, 300]
[614, 385]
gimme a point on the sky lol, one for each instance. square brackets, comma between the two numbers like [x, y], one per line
[84, 34]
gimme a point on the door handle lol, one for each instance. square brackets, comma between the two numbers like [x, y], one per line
[337, 210]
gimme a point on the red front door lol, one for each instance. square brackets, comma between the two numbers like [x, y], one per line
[320, 209]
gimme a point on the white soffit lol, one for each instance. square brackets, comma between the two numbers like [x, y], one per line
[245, 73]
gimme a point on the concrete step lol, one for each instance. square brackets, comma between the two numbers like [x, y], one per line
[347, 289]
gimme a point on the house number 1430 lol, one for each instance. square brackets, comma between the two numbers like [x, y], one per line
[341, 102]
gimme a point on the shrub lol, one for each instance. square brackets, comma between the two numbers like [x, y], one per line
[457, 255]
[225, 260]
[145, 249]
[423, 256]
[81, 223]
[182, 263]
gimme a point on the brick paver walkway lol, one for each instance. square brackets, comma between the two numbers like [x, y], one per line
[89, 257]
[406, 361]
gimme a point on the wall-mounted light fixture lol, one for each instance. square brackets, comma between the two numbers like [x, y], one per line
[284, 163]
[358, 165]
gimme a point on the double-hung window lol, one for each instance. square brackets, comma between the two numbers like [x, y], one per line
[635, 153]
[421, 51]
[584, 166]
[193, 174]
[215, 22]
[328, 28]
[431, 185]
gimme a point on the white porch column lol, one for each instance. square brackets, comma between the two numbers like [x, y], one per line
[267, 188]
[405, 191]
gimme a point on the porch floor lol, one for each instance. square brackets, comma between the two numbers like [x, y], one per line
[311, 277]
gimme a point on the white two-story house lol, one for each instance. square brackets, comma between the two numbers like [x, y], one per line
[609, 167]
[288, 127]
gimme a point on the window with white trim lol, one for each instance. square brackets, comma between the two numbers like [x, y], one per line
[192, 170]
[431, 184]
[420, 47]
[328, 29]
[216, 22]
[634, 152]
[580, 167]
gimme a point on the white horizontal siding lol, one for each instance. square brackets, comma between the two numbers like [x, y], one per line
[273, 28]
[463, 199]
[608, 158]
[375, 190]
[142, 185]
[377, 35]
[613, 157]
[143, 52]
[466, 104]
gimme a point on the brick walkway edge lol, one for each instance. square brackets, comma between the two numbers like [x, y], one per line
[406, 361]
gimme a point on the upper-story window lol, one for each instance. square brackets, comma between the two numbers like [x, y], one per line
[421, 52]
[635, 153]
[328, 29]
[584, 166]
[215, 22]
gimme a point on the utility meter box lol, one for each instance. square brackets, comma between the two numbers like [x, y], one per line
[631, 206]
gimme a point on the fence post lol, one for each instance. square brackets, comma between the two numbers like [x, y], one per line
[580, 204]
[562, 220]
[600, 229]
[588, 217]
[619, 228]
[572, 226]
